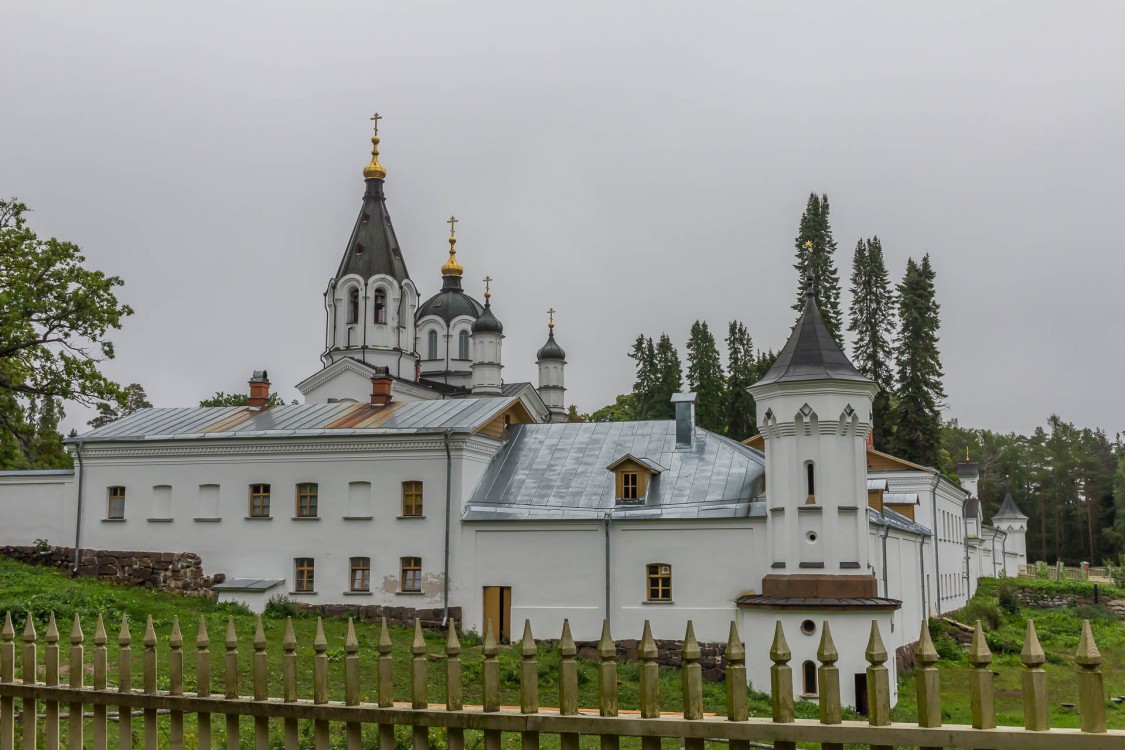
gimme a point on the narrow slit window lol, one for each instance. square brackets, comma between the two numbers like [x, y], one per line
[660, 582]
[810, 477]
[307, 499]
[115, 506]
[380, 305]
[412, 498]
[259, 501]
[463, 345]
[360, 579]
[411, 574]
[808, 673]
[431, 345]
[304, 575]
[353, 306]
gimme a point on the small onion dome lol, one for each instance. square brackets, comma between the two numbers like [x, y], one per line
[487, 322]
[551, 350]
[374, 170]
[451, 267]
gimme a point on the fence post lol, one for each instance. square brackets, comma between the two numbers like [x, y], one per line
[455, 736]
[175, 684]
[149, 666]
[781, 683]
[568, 684]
[261, 686]
[418, 681]
[649, 683]
[1091, 690]
[738, 708]
[928, 681]
[101, 679]
[29, 667]
[289, 681]
[529, 684]
[982, 702]
[124, 684]
[203, 680]
[51, 721]
[385, 680]
[490, 672]
[320, 684]
[692, 683]
[828, 682]
[353, 729]
[607, 683]
[1036, 716]
[7, 674]
[230, 684]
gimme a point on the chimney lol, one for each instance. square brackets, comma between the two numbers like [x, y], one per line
[871, 440]
[381, 387]
[685, 419]
[259, 390]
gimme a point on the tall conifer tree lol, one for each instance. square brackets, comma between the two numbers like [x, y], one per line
[705, 377]
[669, 379]
[872, 323]
[817, 249]
[917, 435]
[643, 355]
[742, 371]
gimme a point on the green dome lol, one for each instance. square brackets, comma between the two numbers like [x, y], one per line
[451, 302]
[487, 322]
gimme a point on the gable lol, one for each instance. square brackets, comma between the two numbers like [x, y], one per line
[517, 413]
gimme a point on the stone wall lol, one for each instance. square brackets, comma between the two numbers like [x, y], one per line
[166, 571]
[711, 658]
[904, 657]
[431, 619]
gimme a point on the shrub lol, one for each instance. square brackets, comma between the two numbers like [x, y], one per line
[280, 606]
[985, 611]
[946, 647]
[1007, 598]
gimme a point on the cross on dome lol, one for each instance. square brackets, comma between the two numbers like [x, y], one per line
[375, 119]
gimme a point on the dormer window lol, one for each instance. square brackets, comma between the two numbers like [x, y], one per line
[353, 306]
[380, 305]
[633, 478]
[630, 486]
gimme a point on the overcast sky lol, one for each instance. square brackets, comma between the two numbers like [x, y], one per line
[635, 165]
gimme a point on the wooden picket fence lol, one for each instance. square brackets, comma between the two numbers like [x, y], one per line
[691, 728]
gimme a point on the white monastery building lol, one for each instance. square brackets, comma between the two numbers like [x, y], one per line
[415, 477]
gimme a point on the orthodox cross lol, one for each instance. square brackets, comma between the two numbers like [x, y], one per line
[375, 119]
[487, 289]
[452, 229]
[551, 318]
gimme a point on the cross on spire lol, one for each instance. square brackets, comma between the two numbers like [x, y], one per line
[375, 119]
[487, 287]
[551, 318]
[451, 221]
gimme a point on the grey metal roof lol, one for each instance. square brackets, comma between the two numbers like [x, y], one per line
[37, 473]
[451, 302]
[1008, 509]
[811, 353]
[897, 521]
[877, 484]
[901, 498]
[487, 322]
[558, 472]
[968, 470]
[833, 603]
[551, 349]
[459, 415]
[373, 248]
[248, 584]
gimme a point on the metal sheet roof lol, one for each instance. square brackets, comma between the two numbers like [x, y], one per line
[558, 472]
[459, 415]
[248, 584]
[897, 521]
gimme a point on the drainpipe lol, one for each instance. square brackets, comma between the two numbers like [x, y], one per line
[448, 503]
[78, 512]
[937, 563]
[607, 519]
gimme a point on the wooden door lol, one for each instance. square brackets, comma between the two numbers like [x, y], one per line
[498, 609]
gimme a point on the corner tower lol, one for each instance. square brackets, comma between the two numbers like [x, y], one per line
[371, 301]
[551, 360]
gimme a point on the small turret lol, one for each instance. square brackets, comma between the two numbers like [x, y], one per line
[552, 361]
[487, 335]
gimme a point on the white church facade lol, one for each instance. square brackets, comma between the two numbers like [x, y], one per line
[413, 476]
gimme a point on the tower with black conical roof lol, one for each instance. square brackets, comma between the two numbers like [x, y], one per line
[551, 360]
[487, 336]
[371, 301]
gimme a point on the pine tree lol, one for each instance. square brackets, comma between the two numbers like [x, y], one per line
[705, 377]
[872, 323]
[741, 419]
[643, 355]
[917, 434]
[669, 380]
[816, 250]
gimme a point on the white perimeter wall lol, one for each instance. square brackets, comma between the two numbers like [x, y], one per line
[37, 506]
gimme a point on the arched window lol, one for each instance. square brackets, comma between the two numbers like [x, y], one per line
[808, 674]
[810, 478]
[380, 306]
[353, 306]
[431, 345]
[463, 345]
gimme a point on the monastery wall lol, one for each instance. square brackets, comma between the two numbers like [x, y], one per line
[37, 505]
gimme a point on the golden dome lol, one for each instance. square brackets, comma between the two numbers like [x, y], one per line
[374, 170]
[451, 267]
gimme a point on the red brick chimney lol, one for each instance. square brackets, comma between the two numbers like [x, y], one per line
[381, 388]
[871, 440]
[259, 390]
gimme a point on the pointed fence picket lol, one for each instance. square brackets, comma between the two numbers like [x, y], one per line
[530, 720]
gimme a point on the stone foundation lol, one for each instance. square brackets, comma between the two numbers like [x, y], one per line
[181, 572]
[711, 659]
[904, 657]
[430, 618]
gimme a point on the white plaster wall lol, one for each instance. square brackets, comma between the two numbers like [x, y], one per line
[902, 581]
[850, 633]
[37, 506]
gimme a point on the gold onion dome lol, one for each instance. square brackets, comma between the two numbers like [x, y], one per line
[374, 170]
[451, 267]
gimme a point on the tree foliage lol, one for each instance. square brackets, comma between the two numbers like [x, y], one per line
[742, 371]
[917, 417]
[872, 324]
[133, 399]
[239, 399]
[705, 377]
[816, 250]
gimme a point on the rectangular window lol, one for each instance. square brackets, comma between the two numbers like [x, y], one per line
[304, 578]
[361, 574]
[411, 574]
[115, 507]
[411, 498]
[307, 499]
[660, 582]
[630, 485]
[259, 501]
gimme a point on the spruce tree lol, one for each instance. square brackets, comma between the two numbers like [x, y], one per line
[917, 434]
[872, 323]
[643, 355]
[705, 377]
[816, 249]
[739, 412]
[669, 379]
